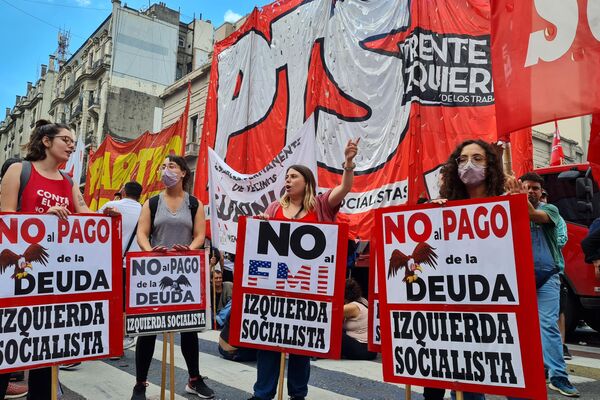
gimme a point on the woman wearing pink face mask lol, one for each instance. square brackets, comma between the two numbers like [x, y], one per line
[173, 227]
[473, 171]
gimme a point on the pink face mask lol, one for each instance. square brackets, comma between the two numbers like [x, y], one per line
[169, 178]
[471, 174]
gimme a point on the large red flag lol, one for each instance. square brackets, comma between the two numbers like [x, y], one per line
[557, 157]
[411, 79]
[546, 56]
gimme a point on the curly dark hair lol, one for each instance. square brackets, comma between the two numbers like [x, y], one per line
[35, 148]
[353, 291]
[454, 189]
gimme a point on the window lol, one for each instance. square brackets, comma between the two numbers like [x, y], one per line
[181, 42]
[193, 136]
[562, 194]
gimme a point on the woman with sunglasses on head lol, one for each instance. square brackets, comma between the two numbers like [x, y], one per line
[48, 191]
[300, 203]
[178, 224]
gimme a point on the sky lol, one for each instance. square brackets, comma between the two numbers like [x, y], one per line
[29, 31]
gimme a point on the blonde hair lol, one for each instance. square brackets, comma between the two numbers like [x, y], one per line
[310, 192]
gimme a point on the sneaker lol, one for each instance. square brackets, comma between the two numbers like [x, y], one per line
[563, 386]
[69, 367]
[566, 354]
[139, 391]
[198, 387]
[17, 376]
[15, 391]
[128, 342]
[296, 397]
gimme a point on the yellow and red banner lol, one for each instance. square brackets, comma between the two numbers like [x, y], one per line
[114, 164]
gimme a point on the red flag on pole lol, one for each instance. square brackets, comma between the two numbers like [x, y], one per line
[593, 153]
[557, 157]
[185, 118]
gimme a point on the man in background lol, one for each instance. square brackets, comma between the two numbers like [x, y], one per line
[130, 209]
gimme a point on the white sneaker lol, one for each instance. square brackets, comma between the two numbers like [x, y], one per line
[128, 342]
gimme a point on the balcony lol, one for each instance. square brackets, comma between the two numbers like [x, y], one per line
[76, 111]
[191, 149]
[70, 91]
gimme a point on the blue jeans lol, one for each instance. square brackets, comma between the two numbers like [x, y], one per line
[548, 297]
[267, 374]
[469, 396]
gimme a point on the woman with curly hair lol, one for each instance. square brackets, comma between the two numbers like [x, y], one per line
[473, 171]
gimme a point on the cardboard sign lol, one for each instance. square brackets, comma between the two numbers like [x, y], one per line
[458, 307]
[289, 287]
[166, 292]
[61, 300]
[374, 334]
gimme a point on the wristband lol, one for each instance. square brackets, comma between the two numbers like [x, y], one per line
[351, 168]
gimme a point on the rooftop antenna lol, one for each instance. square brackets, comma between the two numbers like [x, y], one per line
[64, 37]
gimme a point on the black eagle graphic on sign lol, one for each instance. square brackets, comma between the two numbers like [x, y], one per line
[174, 285]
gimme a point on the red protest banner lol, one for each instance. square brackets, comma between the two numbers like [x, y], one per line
[60, 290]
[288, 292]
[415, 82]
[545, 56]
[114, 163]
[458, 298]
[166, 292]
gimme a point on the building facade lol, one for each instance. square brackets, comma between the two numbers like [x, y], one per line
[174, 97]
[113, 82]
[34, 105]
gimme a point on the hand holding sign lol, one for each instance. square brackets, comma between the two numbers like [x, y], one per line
[60, 212]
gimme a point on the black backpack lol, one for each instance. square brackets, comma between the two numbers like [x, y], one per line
[26, 174]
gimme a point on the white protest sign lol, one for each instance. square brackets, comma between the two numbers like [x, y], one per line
[289, 286]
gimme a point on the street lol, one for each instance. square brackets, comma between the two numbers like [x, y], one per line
[329, 379]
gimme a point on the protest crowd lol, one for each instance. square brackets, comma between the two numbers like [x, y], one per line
[467, 286]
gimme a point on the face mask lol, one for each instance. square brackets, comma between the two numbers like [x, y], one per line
[169, 178]
[471, 174]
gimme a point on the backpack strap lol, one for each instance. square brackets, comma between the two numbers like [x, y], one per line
[194, 204]
[67, 177]
[130, 241]
[24, 178]
[153, 203]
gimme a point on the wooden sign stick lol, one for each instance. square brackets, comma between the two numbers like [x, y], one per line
[172, 365]
[54, 378]
[281, 376]
[163, 376]
[407, 392]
